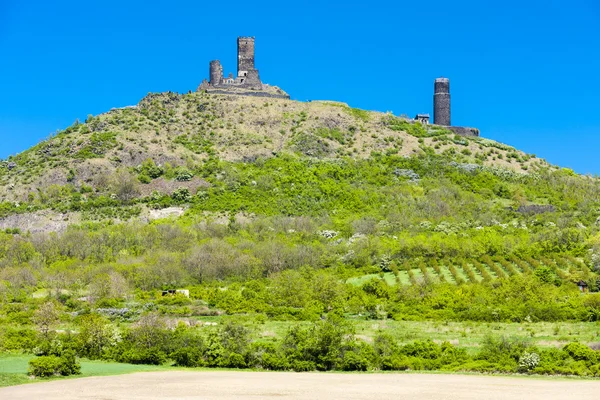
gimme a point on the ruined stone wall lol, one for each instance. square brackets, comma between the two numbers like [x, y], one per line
[463, 131]
[245, 55]
[248, 93]
[441, 102]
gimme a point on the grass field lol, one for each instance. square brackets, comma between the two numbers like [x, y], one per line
[13, 369]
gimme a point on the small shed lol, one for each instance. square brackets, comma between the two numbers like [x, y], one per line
[422, 118]
[173, 292]
[582, 286]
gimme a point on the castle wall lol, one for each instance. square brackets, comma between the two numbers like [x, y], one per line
[245, 55]
[252, 93]
[441, 102]
[463, 131]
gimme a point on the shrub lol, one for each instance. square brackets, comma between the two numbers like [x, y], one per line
[580, 352]
[235, 360]
[183, 174]
[145, 179]
[353, 361]
[188, 357]
[274, 362]
[528, 361]
[303, 366]
[69, 364]
[394, 363]
[181, 195]
[125, 186]
[150, 356]
[46, 366]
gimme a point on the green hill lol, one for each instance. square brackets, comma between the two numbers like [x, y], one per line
[404, 191]
[187, 130]
[278, 211]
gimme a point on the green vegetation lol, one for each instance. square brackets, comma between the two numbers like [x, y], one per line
[14, 369]
[97, 145]
[298, 255]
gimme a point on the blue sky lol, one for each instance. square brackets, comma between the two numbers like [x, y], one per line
[526, 73]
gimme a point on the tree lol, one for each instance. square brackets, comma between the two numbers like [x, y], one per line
[125, 186]
[45, 318]
[96, 335]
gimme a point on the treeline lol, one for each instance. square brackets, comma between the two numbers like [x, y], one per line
[329, 344]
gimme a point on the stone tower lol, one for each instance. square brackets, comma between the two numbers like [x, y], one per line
[245, 55]
[215, 73]
[441, 102]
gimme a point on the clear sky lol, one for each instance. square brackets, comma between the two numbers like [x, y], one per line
[526, 73]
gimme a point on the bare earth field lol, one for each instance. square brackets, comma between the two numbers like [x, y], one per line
[264, 385]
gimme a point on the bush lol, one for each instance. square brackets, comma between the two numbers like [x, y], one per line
[394, 363]
[46, 366]
[580, 352]
[188, 357]
[274, 362]
[181, 195]
[145, 179]
[353, 361]
[235, 360]
[150, 356]
[183, 174]
[528, 361]
[303, 366]
[69, 364]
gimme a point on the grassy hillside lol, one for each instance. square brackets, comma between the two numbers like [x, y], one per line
[186, 130]
[280, 211]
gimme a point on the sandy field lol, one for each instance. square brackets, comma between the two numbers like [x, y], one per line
[266, 385]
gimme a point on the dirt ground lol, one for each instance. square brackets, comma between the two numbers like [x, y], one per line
[264, 385]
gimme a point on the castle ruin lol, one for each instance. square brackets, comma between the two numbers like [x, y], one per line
[441, 110]
[246, 82]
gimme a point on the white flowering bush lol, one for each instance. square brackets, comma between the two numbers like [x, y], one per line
[356, 237]
[596, 259]
[328, 234]
[528, 361]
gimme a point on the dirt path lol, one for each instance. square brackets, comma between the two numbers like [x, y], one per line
[264, 385]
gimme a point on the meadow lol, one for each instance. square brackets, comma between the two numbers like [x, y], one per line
[14, 367]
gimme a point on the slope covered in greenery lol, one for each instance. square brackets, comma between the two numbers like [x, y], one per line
[186, 130]
[287, 211]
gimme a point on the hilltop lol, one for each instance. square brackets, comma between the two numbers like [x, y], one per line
[189, 129]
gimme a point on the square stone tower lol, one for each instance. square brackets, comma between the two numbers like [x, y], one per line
[245, 55]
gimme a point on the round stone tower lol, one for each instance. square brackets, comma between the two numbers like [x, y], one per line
[441, 102]
[215, 73]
